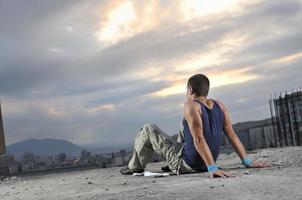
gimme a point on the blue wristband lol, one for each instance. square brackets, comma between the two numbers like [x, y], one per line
[212, 168]
[246, 162]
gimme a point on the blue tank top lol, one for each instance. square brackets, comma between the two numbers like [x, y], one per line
[212, 120]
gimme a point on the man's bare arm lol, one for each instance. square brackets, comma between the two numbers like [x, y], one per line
[235, 141]
[230, 133]
[192, 115]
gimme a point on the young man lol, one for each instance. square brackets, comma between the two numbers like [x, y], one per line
[204, 121]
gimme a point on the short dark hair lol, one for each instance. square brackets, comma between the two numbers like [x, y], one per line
[200, 84]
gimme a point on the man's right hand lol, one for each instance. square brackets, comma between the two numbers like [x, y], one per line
[221, 174]
[258, 164]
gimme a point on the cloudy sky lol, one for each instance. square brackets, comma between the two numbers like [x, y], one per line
[93, 72]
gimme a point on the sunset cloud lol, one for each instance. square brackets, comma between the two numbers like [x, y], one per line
[94, 72]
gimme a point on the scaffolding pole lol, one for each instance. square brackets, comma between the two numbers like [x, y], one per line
[2, 141]
[295, 124]
[283, 120]
[289, 120]
[273, 120]
[278, 121]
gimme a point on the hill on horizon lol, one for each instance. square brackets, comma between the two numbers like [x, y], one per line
[44, 147]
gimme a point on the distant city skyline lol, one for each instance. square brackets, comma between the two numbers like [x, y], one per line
[93, 72]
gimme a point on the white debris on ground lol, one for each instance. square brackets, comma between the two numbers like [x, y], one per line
[152, 174]
[282, 181]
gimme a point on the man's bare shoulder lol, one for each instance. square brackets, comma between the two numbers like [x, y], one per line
[221, 104]
[191, 105]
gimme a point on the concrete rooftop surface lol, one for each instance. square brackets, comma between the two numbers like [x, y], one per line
[282, 181]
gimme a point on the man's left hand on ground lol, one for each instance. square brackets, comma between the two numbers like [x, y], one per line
[221, 174]
[258, 164]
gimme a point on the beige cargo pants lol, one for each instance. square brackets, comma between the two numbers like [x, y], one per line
[152, 139]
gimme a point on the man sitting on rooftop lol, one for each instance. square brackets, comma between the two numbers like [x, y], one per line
[204, 121]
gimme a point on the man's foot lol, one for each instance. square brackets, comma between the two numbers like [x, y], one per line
[166, 169]
[127, 171]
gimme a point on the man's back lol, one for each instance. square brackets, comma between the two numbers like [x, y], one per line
[212, 121]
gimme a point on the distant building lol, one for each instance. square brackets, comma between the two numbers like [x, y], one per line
[286, 111]
[120, 158]
[99, 160]
[49, 162]
[262, 137]
[14, 168]
[28, 162]
[252, 134]
[60, 158]
[86, 158]
[8, 164]
[284, 128]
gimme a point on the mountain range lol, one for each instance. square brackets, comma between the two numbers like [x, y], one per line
[50, 146]
[44, 147]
